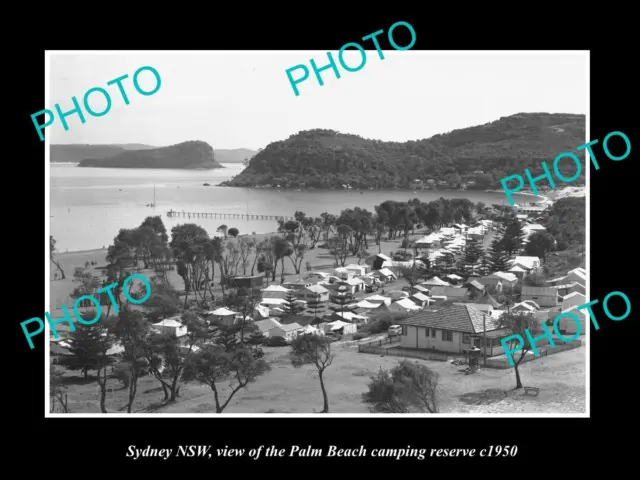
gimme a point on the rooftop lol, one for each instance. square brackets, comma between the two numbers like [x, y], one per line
[457, 318]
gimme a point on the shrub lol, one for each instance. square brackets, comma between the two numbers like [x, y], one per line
[360, 335]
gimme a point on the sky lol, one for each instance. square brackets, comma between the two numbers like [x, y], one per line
[244, 99]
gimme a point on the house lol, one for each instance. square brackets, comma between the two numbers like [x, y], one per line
[222, 315]
[343, 273]
[404, 305]
[523, 307]
[170, 327]
[313, 293]
[376, 261]
[320, 275]
[302, 320]
[267, 326]
[384, 275]
[566, 289]
[568, 324]
[398, 294]
[288, 331]
[275, 291]
[348, 317]
[526, 263]
[340, 327]
[357, 269]
[498, 281]
[452, 293]
[543, 296]
[421, 289]
[518, 272]
[572, 300]
[378, 299]
[367, 305]
[475, 286]
[452, 329]
[356, 284]
[576, 275]
[248, 282]
[297, 285]
[420, 299]
[453, 277]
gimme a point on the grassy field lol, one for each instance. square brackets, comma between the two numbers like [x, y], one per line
[560, 377]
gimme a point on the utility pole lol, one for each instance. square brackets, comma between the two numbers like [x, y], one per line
[484, 340]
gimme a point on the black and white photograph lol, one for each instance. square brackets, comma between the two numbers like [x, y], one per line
[230, 235]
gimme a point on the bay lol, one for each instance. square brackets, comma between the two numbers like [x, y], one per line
[90, 205]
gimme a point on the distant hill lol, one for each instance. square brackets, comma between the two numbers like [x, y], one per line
[476, 157]
[186, 155]
[77, 153]
[236, 155]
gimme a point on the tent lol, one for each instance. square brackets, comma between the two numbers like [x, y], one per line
[435, 281]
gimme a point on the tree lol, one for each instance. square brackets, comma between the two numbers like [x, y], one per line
[313, 350]
[89, 347]
[83, 346]
[315, 306]
[515, 326]
[168, 355]
[498, 258]
[52, 252]
[223, 229]
[245, 303]
[282, 248]
[57, 390]
[513, 236]
[406, 388]
[343, 298]
[214, 365]
[234, 232]
[539, 244]
[132, 330]
[473, 253]
[292, 307]
[414, 274]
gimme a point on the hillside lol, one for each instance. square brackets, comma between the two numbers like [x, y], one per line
[77, 153]
[186, 155]
[236, 155]
[477, 157]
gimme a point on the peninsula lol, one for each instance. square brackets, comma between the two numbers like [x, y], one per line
[186, 155]
[469, 158]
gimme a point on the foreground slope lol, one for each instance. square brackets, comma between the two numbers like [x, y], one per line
[478, 157]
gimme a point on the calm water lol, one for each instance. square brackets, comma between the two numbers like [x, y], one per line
[90, 205]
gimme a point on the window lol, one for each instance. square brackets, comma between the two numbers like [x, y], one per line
[404, 330]
[534, 298]
[447, 336]
[433, 333]
[426, 332]
[466, 338]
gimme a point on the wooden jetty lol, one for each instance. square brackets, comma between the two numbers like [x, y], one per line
[239, 216]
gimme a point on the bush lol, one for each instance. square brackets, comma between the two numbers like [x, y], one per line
[381, 323]
[361, 335]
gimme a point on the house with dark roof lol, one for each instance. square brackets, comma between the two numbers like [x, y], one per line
[452, 329]
[543, 296]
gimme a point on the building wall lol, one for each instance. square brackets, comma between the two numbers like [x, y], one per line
[279, 332]
[543, 301]
[416, 337]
